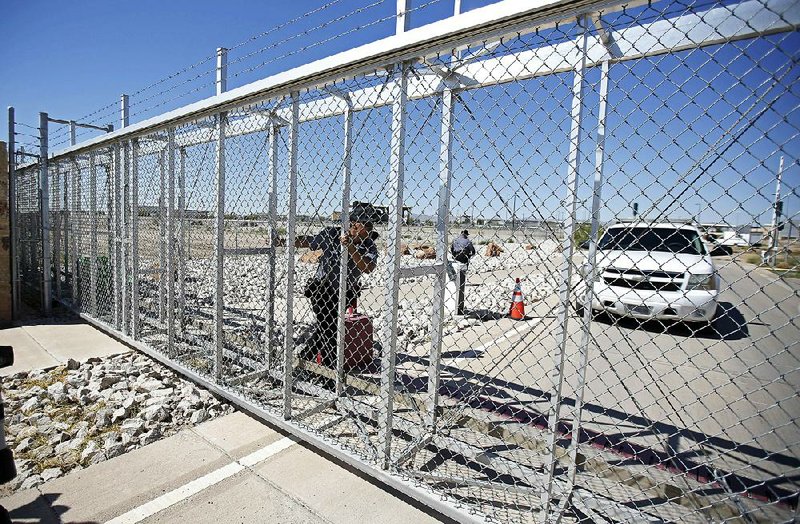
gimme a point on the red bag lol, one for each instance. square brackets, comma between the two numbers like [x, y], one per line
[358, 339]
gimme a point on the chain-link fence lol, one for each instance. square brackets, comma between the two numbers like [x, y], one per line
[631, 170]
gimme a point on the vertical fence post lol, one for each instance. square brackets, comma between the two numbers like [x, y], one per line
[347, 159]
[389, 338]
[124, 235]
[44, 213]
[219, 247]
[590, 275]
[109, 166]
[93, 233]
[222, 70]
[76, 218]
[288, 354]
[57, 218]
[269, 328]
[442, 216]
[124, 219]
[402, 16]
[162, 235]
[561, 333]
[116, 232]
[66, 220]
[219, 225]
[72, 134]
[13, 216]
[182, 238]
[135, 239]
[124, 110]
[170, 272]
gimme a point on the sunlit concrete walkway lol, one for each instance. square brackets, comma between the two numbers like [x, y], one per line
[231, 469]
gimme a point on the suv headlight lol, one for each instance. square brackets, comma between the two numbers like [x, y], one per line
[706, 282]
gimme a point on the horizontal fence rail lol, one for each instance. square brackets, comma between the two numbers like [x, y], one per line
[535, 262]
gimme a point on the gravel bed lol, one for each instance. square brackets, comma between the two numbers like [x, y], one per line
[245, 286]
[72, 416]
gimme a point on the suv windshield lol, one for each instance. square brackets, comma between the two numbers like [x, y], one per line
[653, 239]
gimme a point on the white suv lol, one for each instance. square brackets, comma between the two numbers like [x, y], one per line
[661, 271]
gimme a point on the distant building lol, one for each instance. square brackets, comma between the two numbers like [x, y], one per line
[154, 211]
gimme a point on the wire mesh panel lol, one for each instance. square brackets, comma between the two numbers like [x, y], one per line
[28, 248]
[80, 234]
[540, 272]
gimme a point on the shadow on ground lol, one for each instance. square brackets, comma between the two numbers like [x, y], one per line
[728, 324]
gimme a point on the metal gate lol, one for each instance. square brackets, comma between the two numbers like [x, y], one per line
[646, 382]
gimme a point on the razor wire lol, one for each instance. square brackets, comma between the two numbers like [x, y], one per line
[294, 253]
[61, 137]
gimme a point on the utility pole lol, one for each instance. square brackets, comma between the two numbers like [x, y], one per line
[772, 250]
[514, 216]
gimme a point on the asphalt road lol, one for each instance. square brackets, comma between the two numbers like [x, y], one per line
[724, 395]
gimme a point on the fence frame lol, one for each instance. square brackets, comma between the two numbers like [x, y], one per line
[493, 22]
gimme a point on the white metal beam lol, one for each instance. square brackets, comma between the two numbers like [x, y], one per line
[713, 26]
[716, 25]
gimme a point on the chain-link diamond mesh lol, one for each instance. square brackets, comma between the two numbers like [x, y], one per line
[549, 274]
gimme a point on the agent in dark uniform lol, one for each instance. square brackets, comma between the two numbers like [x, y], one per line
[462, 251]
[323, 288]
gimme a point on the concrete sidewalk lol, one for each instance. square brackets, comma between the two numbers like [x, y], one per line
[38, 346]
[231, 469]
[293, 485]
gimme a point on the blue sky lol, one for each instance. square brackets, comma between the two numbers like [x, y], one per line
[664, 113]
[71, 58]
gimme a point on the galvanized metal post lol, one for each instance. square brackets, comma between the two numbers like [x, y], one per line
[560, 332]
[13, 215]
[75, 220]
[219, 247]
[124, 240]
[72, 134]
[67, 215]
[135, 313]
[44, 213]
[125, 236]
[222, 70]
[389, 332]
[269, 328]
[162, 232]
[63, 261]
[182, 239]
[590, 274]
[116, 233]
[110, 216]
[93, 234]
[288, 355]
[124, 111]
[57, 225]
[170, 272]
[347, 160]
[440, 285]
[402, 16]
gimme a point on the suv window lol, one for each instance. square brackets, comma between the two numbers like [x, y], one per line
[653, 239]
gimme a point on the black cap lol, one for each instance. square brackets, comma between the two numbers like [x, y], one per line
[364, 213]
[465, 233]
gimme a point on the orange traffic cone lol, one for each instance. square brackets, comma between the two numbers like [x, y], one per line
[517, 311]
